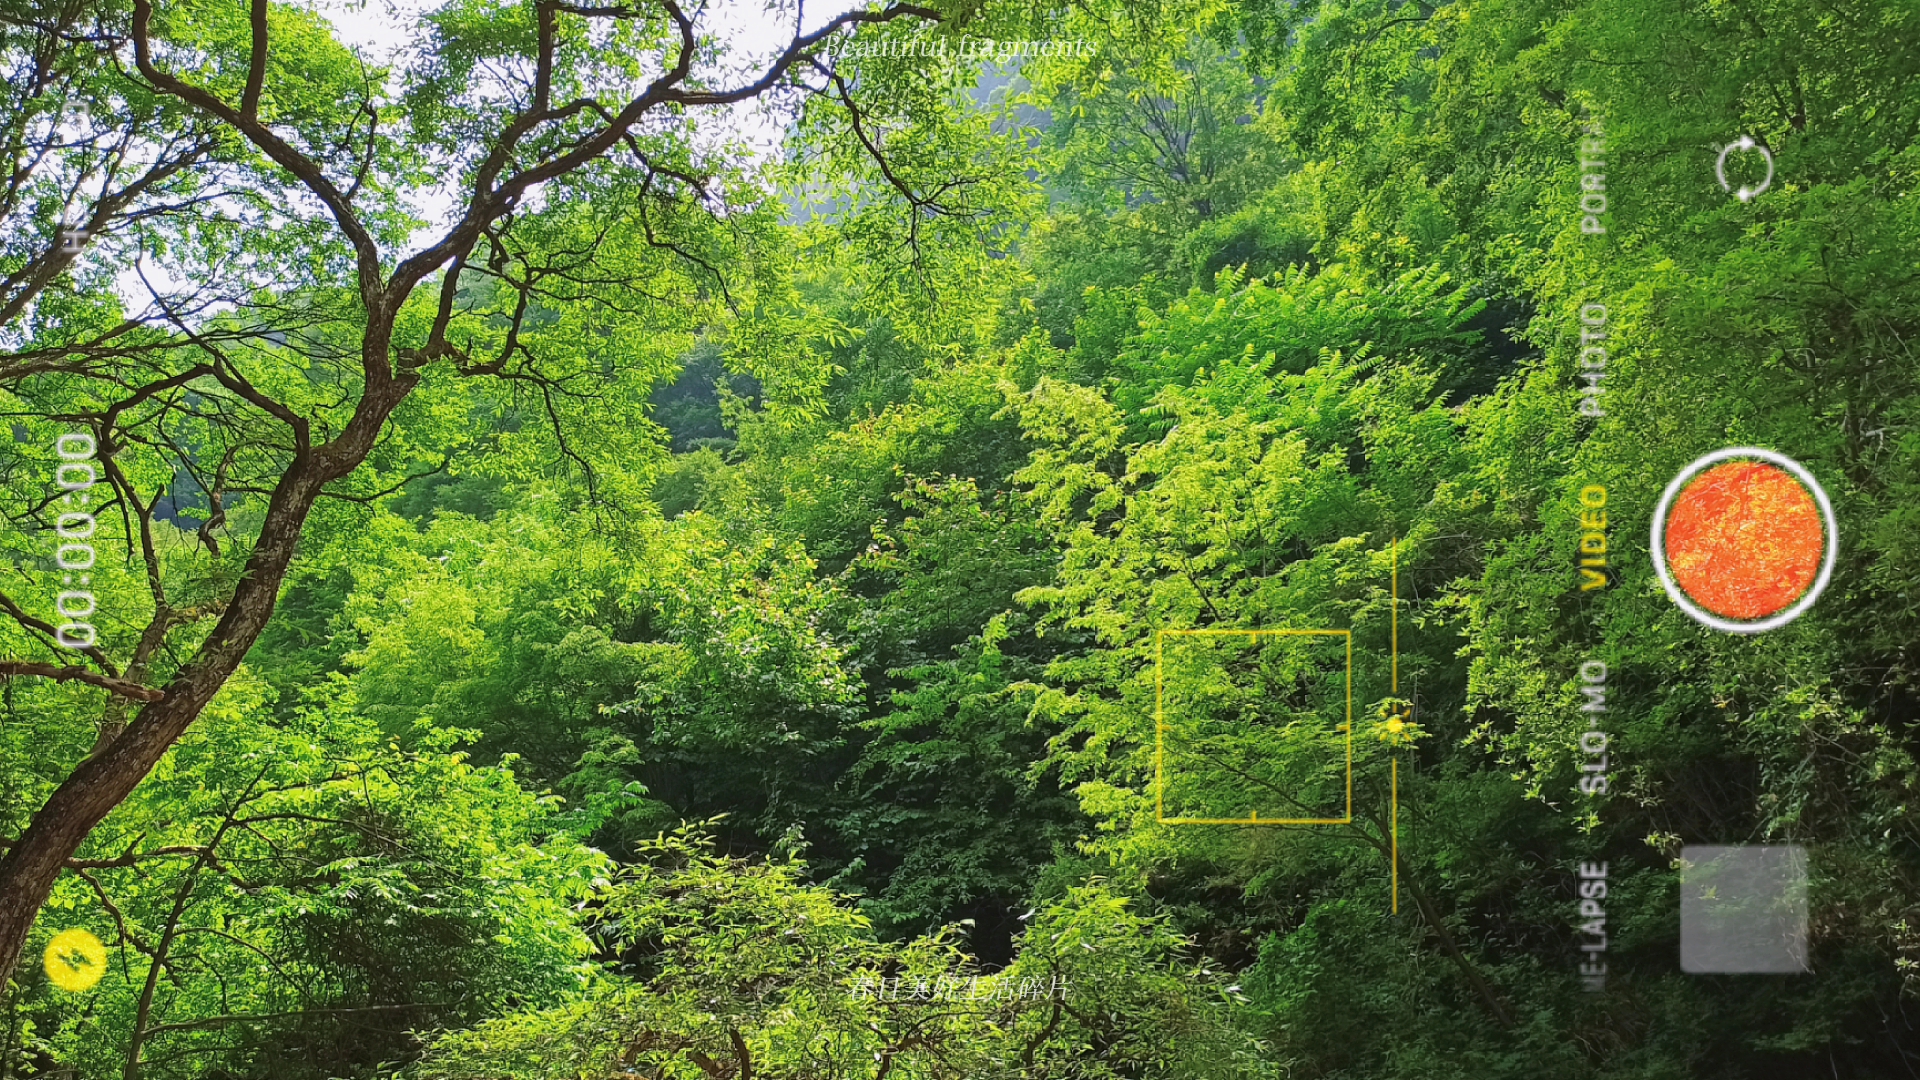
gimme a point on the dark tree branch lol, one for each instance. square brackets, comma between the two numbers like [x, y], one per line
[57, 673]
[276, 148]
[256, 62]
[92, 652]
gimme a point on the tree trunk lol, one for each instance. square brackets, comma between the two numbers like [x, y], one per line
[1430, 915]
[1452, 948]
[105, 778]
[143, 1013]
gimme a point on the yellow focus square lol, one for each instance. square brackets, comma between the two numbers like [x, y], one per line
[1241, 722]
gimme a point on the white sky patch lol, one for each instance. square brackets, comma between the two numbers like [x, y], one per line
[751, 31]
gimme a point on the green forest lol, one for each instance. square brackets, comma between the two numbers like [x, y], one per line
[512, 576]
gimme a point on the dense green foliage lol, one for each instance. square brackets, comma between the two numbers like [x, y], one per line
[864, 565]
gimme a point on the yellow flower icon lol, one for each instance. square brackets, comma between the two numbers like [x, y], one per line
[75, 960]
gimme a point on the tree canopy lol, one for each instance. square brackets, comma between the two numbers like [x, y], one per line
[1068, 565]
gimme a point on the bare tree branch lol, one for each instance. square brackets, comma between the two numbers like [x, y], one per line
[79, 674]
